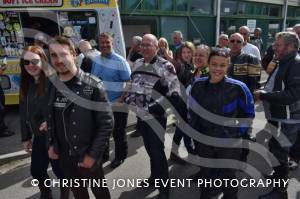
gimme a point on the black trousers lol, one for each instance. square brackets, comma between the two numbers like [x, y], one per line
[154, 145]
[40, 160]
[119, 135]
[2, 110]
[73, 172]
[295, 150]
[280, 149]
[211, 152]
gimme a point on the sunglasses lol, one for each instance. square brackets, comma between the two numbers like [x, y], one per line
[236, 41]
[33, 61]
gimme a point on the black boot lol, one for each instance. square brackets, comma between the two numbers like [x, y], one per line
[275, 194]
[163, 194]
[116, 162]
[278, 192]
[176, 159]
[45, 192]
[64, 192]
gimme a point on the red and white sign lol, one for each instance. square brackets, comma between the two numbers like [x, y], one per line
[30, 3]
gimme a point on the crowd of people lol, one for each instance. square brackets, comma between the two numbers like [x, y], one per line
[70, 105]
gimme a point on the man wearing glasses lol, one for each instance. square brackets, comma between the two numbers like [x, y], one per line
[281, 99]
[154, 79]
[243, 67]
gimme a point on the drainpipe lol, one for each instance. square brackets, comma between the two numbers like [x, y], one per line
[285, 8]
[218, 20]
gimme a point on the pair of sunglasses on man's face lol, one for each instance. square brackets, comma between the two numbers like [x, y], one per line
[235, 41]
[33, 61]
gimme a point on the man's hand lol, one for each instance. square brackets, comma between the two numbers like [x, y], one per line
[256, 94]
[43, 126]
[87, 162]
[27, 145]
[51, 153]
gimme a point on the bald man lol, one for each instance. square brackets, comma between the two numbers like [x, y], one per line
[248, 48]
[154, 80]
[84, 46]
[86, 58]
[244, 67]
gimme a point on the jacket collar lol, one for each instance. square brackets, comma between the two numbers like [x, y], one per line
[54, 79]
[288, 57]
[153, 59]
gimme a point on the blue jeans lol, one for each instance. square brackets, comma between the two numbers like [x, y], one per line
[155, 148]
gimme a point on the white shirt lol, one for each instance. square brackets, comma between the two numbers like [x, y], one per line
[252, 50]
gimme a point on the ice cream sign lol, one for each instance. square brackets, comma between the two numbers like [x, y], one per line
[31, 3]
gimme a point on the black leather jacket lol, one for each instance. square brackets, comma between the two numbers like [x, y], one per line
[282, 97]
[86, 130]
[32, 113]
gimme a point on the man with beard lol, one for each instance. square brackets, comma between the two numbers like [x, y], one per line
[281, 98]
[79, 120]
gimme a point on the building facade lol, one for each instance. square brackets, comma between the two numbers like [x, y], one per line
[197, 18]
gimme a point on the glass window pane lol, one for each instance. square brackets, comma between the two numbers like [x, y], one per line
[202, 7]
[166, 5]
[151, 5]
[274, 11]
[228, 7]
[120, 5]
[297, 13]
[132, 4]
[291, 12]
[181, 5]
[259, 9]
[79, 24]
[246, 8]
[264, 10]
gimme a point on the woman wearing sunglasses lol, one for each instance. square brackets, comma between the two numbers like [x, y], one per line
[33, 101]
[214, 103]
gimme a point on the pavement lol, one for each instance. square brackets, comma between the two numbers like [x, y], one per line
[11, 147]
[15, 164]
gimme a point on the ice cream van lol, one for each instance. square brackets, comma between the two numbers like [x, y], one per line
[22, 20]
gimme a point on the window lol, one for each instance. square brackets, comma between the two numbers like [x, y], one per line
[181, 5]
[264, 9]
[228, 7]
[166, 5]
[260, 9]
[274, 11]
[291, 12]
[151, 5]
[133, 4]
[297, 12]
[79, 24]
[246, 8]
[202, 7]
[120, 5]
